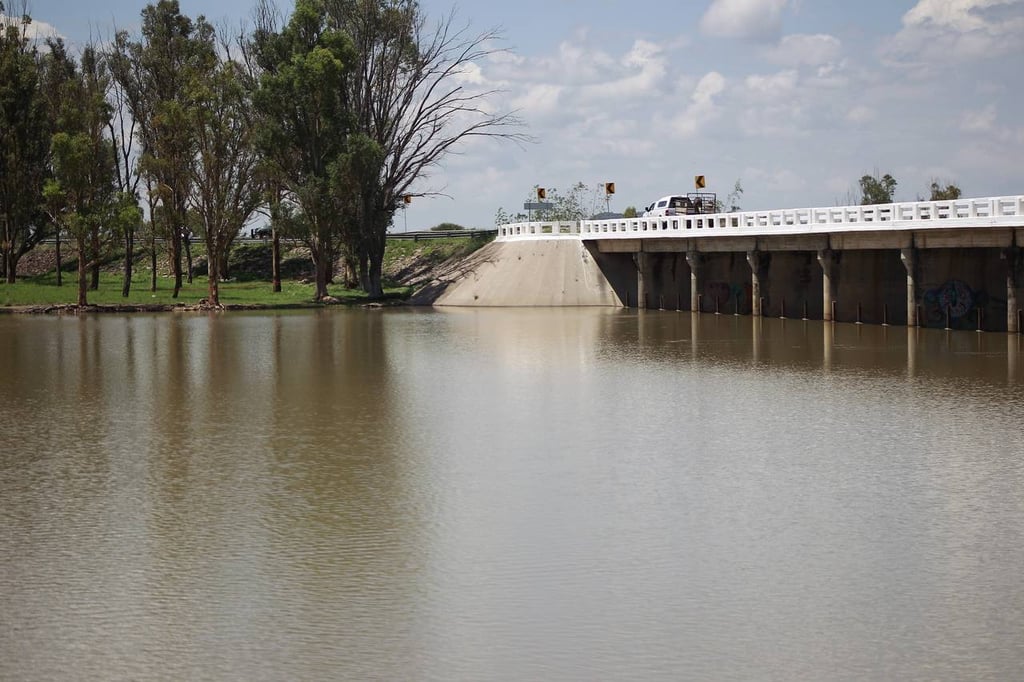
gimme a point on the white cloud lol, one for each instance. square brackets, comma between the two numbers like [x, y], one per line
[979, 121]
[702, 105]
[471, 74]
[756, 19]
[538, 100]
[861, 114]
[775, 179]
[957, 15]
[806, 50]
[985, 122]
[936, 32]
[773, 86]
[35, 31]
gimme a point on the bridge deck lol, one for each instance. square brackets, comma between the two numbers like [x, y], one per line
[1005, 211]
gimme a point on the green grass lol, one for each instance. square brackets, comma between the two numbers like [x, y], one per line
[43, 290]
[432, 251]
[249, 265]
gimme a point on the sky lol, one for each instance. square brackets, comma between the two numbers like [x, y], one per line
[795, 99]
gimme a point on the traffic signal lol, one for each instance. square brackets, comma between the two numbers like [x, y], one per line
[699, 181]
[541, 194]
[609, 188]
[407, 198]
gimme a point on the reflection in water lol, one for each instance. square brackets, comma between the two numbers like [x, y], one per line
[507, 494]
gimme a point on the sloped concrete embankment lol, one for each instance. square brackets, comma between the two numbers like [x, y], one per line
[538, 273]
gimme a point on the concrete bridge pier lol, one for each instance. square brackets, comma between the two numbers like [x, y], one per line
[909, 258]
[1012, 256]
[827, 260]
[643, 277]
[756, 266]
[696, 262]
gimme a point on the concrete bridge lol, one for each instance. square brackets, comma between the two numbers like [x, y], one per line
[953, 264]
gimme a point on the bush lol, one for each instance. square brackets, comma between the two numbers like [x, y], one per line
[447, 227]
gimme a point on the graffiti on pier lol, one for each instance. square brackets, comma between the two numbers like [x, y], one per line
[725, 295]
[954, 299]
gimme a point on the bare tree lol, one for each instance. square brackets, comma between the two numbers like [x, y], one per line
[411, 107]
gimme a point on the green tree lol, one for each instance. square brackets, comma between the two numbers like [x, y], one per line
[875, 190]
[304, 122]
[122, 129]
[24, 145]
[83, 195]
[940, 193]
[731, 204]
[568, 207]
[411, 107]
[630, 212]
[225, 173]
[158, 74]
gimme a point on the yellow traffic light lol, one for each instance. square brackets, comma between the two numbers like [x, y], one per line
[699, 181]
[609, 188]
[407, 198]
[541, 194]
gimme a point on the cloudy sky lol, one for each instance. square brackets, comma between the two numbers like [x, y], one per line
[796, 99]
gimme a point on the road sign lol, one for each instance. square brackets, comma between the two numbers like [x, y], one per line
[541, 193]
[609, 188]
[538, 205]
[699, 181]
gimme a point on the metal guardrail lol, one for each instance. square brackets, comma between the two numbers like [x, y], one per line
[446, 234]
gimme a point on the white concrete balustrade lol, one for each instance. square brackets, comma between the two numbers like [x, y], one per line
[915, 215]
[538, 230]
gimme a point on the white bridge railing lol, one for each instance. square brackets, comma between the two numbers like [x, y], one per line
[538, 230]
[917, 215]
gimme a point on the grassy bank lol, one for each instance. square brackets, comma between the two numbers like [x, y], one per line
[405, 264]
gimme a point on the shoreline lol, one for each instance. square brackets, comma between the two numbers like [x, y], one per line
[74, 309]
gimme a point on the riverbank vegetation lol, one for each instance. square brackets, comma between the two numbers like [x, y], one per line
[320, 124]
[248, 281]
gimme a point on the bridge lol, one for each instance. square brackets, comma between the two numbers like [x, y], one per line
[952, 264]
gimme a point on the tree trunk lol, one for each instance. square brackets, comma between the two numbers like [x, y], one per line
[213, 258]
[188, 256]
[350, 273]
[83, 271]
[60, 279]
[375, 290]
[95, 259]
[152, 262]
[319, 251]
[11, 264]
[129, 257]
[364, 273]
[176, 259]
[321, 278]
[222, 268]
[275, 265]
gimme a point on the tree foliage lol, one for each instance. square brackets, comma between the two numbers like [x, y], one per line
[158, 73]
[82, 194]
[410, 108]
[304, 123]
[940, 193]
[731, 203]
[225, 174]
[330, 120]
[875, 190]
[25, 129]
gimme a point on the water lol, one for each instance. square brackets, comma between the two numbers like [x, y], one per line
[510, 494]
